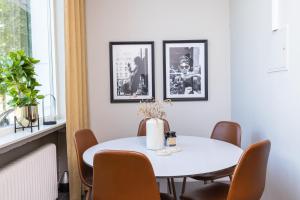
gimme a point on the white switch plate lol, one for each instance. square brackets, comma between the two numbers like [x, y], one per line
[279, 50]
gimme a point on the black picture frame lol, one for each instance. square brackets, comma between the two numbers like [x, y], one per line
[176, 84]
[132, 73]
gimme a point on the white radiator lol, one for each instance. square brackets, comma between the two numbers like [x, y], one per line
[32, 177]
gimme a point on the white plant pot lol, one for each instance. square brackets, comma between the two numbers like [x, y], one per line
[155, 134]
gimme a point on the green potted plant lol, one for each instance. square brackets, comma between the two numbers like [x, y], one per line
[19, 82]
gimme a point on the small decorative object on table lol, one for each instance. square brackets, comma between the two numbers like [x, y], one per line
[170, 139]
[153, 111]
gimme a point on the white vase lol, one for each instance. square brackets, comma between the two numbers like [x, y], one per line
[155, 134]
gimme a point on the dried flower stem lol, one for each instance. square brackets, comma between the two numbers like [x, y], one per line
[153, 109]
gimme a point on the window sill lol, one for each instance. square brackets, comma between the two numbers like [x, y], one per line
[4, 131]
[13, 140]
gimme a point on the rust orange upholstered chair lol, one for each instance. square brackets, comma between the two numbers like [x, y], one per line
[124, 175]
[142, 127]
[248, 181]
[228, 132]
[225, 131]
[85, 139]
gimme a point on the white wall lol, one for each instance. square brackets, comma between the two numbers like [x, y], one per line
[267, 105]
[156, 20]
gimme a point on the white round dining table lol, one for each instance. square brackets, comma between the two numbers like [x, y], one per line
[198, 155]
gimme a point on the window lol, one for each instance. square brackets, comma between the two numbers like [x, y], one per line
[27, 25]
[15, 29]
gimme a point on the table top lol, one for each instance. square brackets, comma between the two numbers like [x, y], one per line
[198, 155]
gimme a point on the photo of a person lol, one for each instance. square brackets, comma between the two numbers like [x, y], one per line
[185, 75]
[136, 73]
[185, 70]
[131, 71]
[190, 75]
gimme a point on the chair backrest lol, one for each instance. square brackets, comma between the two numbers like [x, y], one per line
[142, 127]
[123, 175]
[83, 140]
[249, 177]
[227, 131]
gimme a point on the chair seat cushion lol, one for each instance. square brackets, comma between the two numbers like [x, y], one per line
[214, 191]
[215, 175]
[164, 196]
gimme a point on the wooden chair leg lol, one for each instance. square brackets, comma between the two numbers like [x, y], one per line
[88, 194]
[169, 186]
[183, 185]
[173, 189]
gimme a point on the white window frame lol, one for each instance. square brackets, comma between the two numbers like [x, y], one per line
[56, 60]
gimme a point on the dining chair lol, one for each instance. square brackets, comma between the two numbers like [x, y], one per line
[248, 181]
[142, 127]
[83, 140]
[228, 132]
[124, 175]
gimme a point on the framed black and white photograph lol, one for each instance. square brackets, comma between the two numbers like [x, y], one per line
[185, 70]
[131, 71]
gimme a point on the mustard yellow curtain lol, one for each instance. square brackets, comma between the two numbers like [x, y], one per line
[76, 84]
